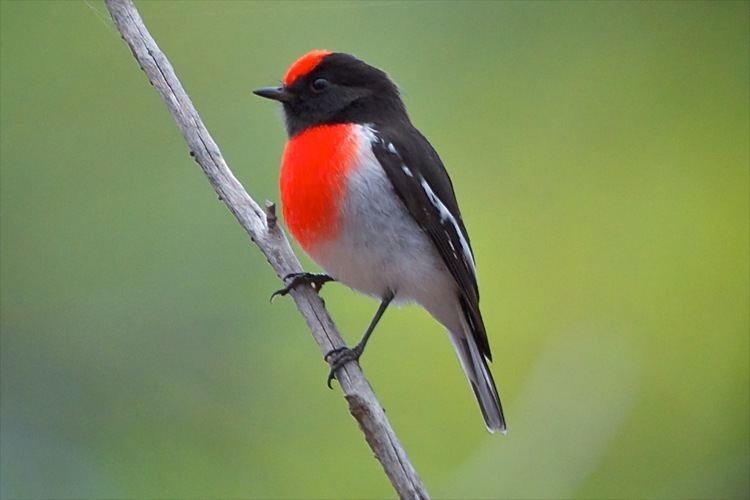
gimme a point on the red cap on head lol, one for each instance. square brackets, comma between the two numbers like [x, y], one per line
[304, 65]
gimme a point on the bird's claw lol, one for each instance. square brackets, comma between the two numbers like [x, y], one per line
[283, 291]
[294, 280]
[338, 357]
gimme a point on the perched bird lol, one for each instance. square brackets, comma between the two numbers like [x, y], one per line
[368, 198]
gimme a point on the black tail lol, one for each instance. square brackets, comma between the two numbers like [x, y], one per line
[480, 378]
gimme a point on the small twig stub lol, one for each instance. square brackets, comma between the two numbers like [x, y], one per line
[270, 214]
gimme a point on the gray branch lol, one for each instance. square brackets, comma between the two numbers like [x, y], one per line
[268, 236]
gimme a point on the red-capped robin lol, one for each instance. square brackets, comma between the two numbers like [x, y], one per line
[368, 198]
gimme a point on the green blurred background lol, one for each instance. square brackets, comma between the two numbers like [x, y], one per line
[600, 154]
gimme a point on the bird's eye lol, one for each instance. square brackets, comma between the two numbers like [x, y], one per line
[319, 85]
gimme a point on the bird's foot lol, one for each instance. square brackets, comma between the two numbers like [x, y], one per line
[337, 358]
[294, 280]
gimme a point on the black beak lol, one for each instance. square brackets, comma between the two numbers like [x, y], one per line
[280, 94]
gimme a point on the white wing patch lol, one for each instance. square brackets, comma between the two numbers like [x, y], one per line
[446, 215]
[392, 149]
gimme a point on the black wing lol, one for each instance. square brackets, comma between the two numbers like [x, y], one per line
[421, 181]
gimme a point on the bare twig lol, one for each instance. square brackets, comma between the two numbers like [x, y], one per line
[266, 233]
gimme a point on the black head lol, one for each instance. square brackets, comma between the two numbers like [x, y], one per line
[326, 88]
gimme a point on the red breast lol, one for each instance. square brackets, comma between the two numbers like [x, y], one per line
[314, 170]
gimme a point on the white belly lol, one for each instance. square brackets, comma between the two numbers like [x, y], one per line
[379, 246]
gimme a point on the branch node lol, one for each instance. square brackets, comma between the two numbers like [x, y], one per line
[271, 218]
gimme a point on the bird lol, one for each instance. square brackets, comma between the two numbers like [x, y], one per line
[367, 197]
